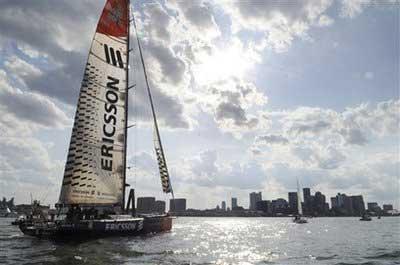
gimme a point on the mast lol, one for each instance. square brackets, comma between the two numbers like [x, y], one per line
[162, 167]
[126, 102]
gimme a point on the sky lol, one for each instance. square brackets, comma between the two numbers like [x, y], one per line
[250, 96]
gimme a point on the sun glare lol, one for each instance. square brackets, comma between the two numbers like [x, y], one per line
[222, 64]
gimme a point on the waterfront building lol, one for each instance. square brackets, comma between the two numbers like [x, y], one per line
[387, 207]
[373, 206]
[358, 204]
[223, 206]
[292, 196]
[177, 205]
[234, 203]
[279, 206]
[347, 205]
[145, 204]
[319, 204]
[306, 194]
[254, 198]
[159, 206]
[334, 203]
[264, 206]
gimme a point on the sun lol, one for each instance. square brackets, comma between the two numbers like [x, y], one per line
[228, 61]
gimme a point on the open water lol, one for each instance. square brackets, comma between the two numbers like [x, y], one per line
[337, 241]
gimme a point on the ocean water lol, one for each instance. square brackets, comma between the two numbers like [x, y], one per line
[222, 241]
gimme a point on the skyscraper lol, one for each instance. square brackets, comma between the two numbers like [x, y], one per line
[306, 194]
[254, 198]
[234, 203]
[177, 205]
[292, 196]
[223, 206]
[145, 204]
[358, 204]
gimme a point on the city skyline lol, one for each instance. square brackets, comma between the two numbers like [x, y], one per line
[248, 96]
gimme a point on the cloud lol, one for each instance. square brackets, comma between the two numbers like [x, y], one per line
[272, 139]
[208, 170]
[319, 138]
[30, 107]
[230, 101]
[353, 8]
[198, 18]
[280, 23]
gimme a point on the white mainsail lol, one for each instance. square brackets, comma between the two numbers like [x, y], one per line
[95, 167]
[299, 208]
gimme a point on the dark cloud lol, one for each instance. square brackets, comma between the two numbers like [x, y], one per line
[157, 21]
[172, 67]
[30, 107]
[198, 13]
[353, 136]
[272, 139]
[234, 97]
[314, 127]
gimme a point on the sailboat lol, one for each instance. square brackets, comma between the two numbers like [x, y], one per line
[92, 197]
[299, 219]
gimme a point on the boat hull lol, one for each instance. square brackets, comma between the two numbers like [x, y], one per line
[87, 229]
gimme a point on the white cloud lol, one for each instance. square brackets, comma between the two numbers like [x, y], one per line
[280, 23]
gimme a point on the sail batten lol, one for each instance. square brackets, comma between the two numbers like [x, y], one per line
[95, 168]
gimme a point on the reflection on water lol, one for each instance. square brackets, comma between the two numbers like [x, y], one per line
[222, 241]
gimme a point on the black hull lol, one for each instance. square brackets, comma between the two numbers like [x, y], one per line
[90, 229]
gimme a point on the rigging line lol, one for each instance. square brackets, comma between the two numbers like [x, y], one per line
[149, 94]
[128, 11]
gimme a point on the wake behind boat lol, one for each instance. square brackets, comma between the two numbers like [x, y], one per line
[92, 198]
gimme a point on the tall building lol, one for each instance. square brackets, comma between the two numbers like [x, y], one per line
[159, 206]
[234, 203]
[358, 204]
[387, 207]
[223, 206]
[145, 204]
[347, 205]
[177, 205]
[292, 196]
[254, 198]
[319, 205]
[371, 206]
[334, 203]
[279, 206]
[264, 206]
[306, 194]
[340, 198]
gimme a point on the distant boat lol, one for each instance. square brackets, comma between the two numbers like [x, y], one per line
[299, 219]
[366, 217]
[92, 198]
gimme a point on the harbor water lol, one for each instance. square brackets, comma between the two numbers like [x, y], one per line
[222, 241]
